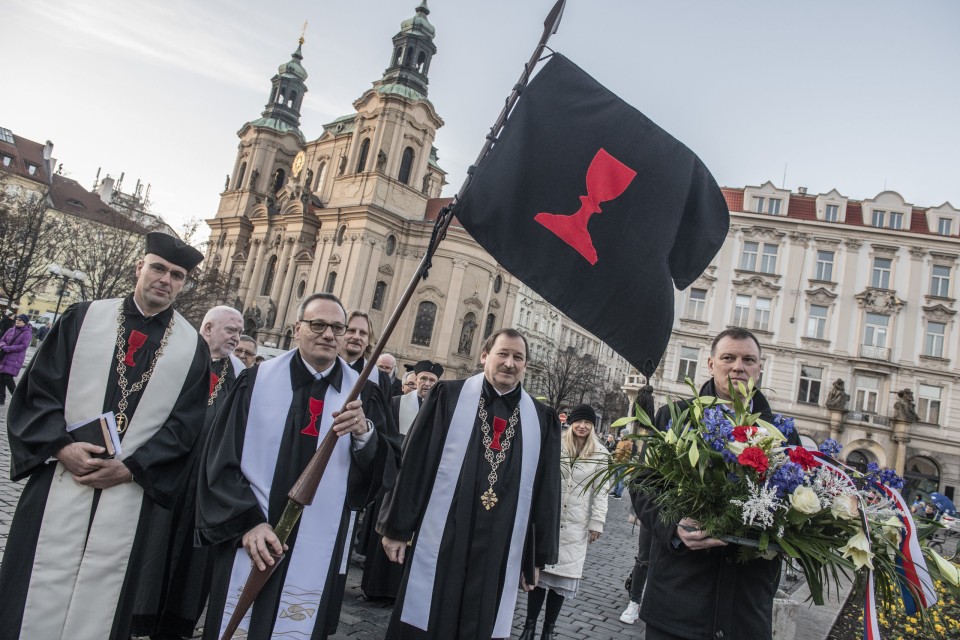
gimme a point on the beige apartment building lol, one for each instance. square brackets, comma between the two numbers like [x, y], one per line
[863, 292]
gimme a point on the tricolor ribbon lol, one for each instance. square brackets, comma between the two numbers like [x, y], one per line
[916, 583]
[871, 626]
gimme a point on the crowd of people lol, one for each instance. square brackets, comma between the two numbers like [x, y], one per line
[158, 460]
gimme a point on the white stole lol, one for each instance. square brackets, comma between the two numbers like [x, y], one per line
[409, 408]
[309, 561]
[418, 598]
[76, 580]
[237, 365]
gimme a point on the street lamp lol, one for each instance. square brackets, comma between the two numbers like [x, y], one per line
[67, 276]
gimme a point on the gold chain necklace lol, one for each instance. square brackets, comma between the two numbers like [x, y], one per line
[489, 498]
[122, 421]
[223, 376]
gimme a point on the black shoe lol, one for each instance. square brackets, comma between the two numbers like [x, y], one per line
[529, 630]
[547, 633]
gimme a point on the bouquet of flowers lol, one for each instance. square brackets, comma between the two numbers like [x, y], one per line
[724, 466]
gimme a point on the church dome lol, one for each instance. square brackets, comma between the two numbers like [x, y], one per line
[419, 24]
[294, 68]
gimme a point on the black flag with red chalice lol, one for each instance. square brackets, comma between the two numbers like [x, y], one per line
[597, 209]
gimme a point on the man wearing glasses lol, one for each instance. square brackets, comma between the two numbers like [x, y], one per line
[409, 382]
[247, 351]
[84, 518]
[259, 444]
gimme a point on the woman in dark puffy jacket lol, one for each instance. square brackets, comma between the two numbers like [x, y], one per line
[13, 349]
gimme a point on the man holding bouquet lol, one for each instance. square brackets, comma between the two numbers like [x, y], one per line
[723, 598]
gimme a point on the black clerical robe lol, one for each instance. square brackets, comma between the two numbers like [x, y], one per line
[228, 506]
[176, 576]
[36, 430]
[381, 578]
[471, 571]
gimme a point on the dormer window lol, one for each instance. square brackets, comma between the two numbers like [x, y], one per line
[888, 219]
[878, 217]
[896, 220]
[6, 160]
[31, 169]
[766, 205]
[945, 227]
[831, 213]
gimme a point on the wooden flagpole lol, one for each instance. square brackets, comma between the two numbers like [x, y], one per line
[304, 490]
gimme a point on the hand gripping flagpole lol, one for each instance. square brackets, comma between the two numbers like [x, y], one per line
[303, 492]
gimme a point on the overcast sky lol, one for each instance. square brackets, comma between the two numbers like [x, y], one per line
[860, 96]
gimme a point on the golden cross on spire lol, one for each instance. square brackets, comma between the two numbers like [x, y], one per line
[303, 31]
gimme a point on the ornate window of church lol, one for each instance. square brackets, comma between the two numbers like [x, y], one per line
[279, 178]
[406, 164]
[321, 177]
[423, 325]
[364, 152]
[341, 232]
[379, 293]
[301, 288]
[268, 276]
[391, 245]
[331, 281]
[497, 284]
[240, 176]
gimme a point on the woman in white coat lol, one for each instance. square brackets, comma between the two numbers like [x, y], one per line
[583, 513]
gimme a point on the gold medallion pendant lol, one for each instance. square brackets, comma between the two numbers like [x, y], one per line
[121, 423]
[488, 499]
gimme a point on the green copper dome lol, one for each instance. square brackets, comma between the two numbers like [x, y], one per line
[419, 24]
[294, 68]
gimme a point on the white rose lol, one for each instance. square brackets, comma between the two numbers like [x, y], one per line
[845, 507]
[805, 500]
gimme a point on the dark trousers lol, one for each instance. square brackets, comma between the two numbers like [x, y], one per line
[639, 577]
[6, 384]
[652, 633]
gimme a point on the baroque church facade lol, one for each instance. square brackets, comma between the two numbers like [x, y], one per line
[352, 213]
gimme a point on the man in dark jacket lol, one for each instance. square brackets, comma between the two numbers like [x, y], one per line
[722, 597]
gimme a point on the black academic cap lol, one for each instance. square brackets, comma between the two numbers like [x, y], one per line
[426, 365]
[173, 250]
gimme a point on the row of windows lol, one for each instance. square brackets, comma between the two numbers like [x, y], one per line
[866, 388]
[762, 258]
[878, 218]
[753, 312]
[403, 175]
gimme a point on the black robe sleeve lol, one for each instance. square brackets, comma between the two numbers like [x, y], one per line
[545, 507]
[158, 464]
[35, 422]
[375, 466]
[226, 505]
[404, 506]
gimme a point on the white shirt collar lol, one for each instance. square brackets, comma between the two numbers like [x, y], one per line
[314, 373]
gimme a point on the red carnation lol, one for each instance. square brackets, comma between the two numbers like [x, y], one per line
[754, 457]
[802, 457]
[742, 434]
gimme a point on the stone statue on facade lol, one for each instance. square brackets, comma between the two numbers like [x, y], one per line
[254, 177]
[381, 161]
[343, 165]
[838, 397]
[904, 408]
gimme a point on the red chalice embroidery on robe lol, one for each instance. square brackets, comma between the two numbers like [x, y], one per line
[316, 408]
[134, 342]
[214, 379]
[499, 424]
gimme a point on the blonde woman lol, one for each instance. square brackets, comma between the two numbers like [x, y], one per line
[584, 510]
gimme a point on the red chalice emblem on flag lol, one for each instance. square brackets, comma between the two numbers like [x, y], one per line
[134, 342]
[607, 178]
[316, 408]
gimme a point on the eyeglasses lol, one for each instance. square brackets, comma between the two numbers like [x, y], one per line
[244, 353]
[410, 384]
[320, 327]
[385, 368]
[162, 270]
